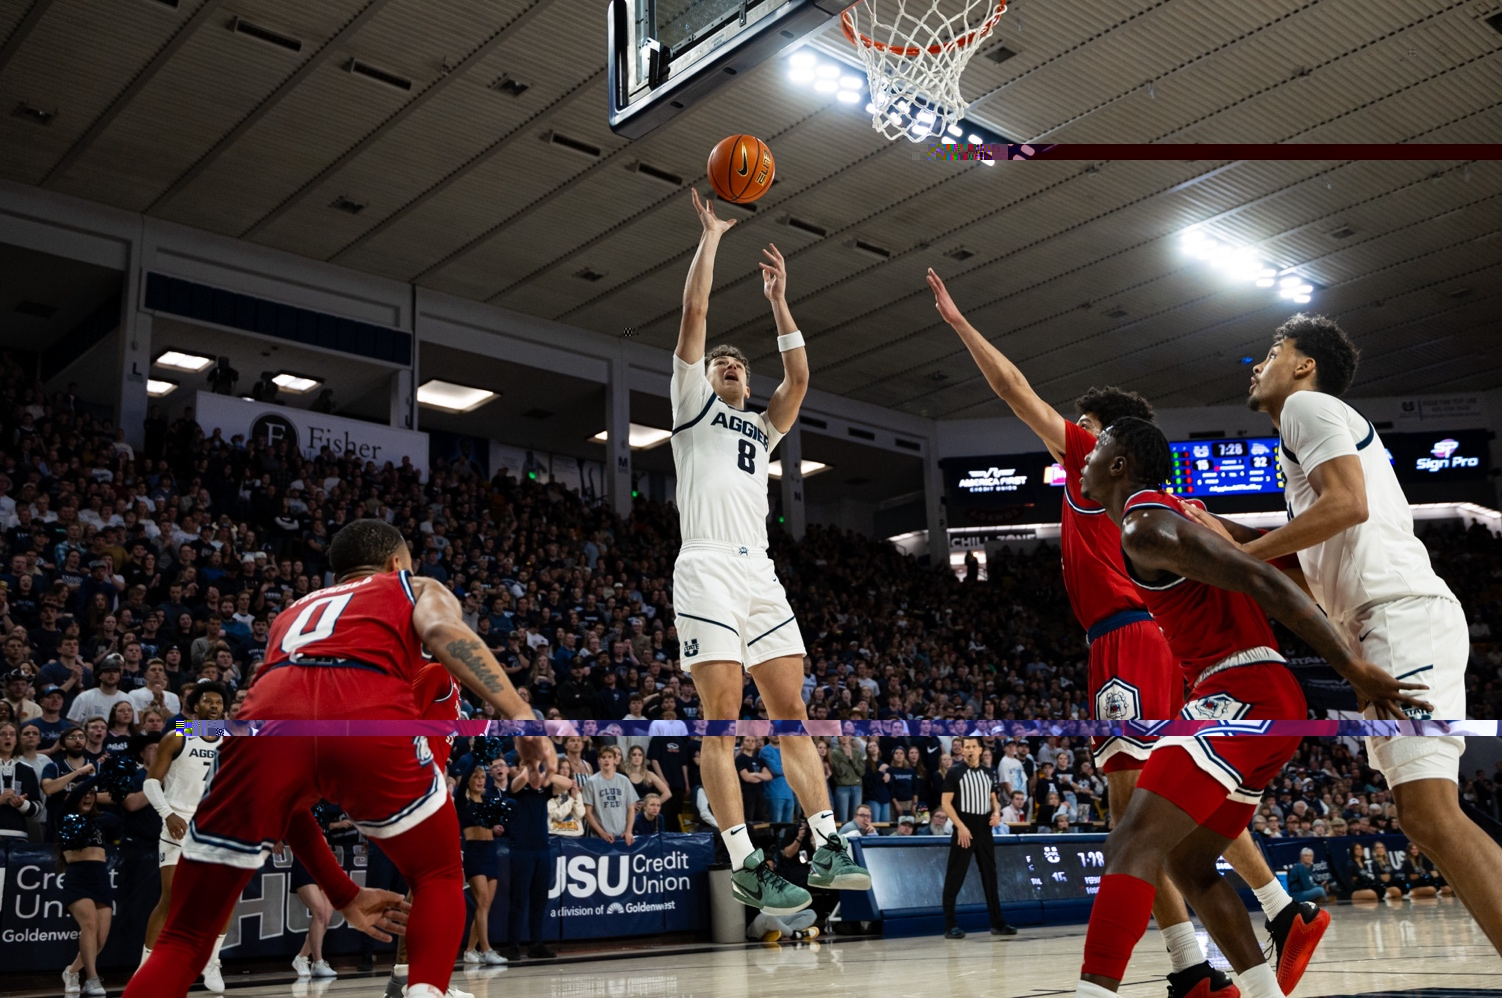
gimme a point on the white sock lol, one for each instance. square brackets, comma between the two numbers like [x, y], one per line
[738, 842]
[1259, 982]
[1183, 946]
[218, 945]
[400, 970]
[823, 826]
[1273, 898]
[1084, 989]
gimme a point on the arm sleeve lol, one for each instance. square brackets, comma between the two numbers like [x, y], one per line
[689, 390]
[774, 435]
[309, 845]
[1316, 428]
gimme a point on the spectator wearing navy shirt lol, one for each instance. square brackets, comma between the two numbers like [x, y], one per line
[531, 861]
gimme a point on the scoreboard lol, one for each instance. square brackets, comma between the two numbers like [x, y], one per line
[1225, 467]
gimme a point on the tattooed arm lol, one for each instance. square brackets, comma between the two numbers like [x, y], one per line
[439, 621]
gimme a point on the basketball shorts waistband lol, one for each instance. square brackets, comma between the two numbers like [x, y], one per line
[724, 547]
[1115, 622]
[1252, 656]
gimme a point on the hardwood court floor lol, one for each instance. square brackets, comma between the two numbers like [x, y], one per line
[1425, 949]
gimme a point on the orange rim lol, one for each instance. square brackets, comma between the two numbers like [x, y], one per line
[912, 51]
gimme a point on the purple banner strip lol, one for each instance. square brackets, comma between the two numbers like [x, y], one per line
[830, 729]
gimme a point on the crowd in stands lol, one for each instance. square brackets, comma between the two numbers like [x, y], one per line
[128, 576]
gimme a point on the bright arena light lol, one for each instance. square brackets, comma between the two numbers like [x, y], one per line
[804, 58]
[157, 388]
[450, 397]
[851, 83]
[801, 74]
[827, 72]
[826, 86]
[1243, 263]
[848, 96]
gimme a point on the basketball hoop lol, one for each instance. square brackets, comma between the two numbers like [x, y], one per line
[914, 52]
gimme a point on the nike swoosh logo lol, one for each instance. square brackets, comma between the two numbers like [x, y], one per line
[1366, 635]
[756, 893]
[745, 166]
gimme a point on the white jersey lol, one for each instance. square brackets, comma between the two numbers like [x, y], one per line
[189, 774]
[721, 455]
[1372, 562]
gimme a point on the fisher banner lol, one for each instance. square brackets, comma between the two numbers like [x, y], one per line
[310, 432]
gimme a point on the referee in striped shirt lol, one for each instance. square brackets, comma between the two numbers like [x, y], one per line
[970, 801]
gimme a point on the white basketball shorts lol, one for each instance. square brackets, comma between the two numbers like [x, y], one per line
[730, 607]
[1419, 639]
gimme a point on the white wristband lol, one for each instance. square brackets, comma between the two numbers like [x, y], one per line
[790, 341]
[155, 797]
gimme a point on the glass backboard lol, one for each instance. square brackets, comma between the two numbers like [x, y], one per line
[667, 54]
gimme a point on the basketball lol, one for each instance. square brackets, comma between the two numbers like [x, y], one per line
[741, 168]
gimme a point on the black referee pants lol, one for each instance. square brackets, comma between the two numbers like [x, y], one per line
[983, 849]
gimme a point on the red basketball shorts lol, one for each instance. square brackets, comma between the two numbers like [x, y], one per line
[1133, 676]
[1218, 777]
[386, 785]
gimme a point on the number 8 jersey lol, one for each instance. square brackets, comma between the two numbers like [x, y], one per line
[721, 455]
[364, 625]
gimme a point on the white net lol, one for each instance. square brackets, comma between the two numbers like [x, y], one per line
[915, 51]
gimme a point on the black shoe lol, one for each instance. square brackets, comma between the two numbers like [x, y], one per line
[538, 951]
[1200, 981]
[1296, 934]
[954, 932]
[1004, 930]
[513, 953]
[394, 988]
[367, 963]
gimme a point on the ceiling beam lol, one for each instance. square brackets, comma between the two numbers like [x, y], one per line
[148, 72]
[268, 103]
[475, 162]
[31, 20]
[429, 92]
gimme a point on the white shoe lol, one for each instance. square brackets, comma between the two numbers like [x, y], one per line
[322, 969]
[450, 993]
[213, 978]
[493, 958]
[93, 986]
[473, 956]
[70, 982]
[302, 966]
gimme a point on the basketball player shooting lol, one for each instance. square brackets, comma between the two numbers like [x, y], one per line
[733, 616]
[348, 652]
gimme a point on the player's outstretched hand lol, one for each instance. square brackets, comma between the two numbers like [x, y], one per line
[538, 754]
[948, 310]
[706, 213]
[774, 274]
[378, 914]
[1376, 688]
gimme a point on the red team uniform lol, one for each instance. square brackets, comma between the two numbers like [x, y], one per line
[348, 652]
[1133, 672]
[343, 653]
[437, 696]
[1228, 654]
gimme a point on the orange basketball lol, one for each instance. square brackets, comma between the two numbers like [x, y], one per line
[741, 168]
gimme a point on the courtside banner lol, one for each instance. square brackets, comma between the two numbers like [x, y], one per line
[659, 884]
[310, 432]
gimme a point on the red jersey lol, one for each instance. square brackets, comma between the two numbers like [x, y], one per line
[367, 622]
[437, 697]
[1204, 625]
[1090, 544]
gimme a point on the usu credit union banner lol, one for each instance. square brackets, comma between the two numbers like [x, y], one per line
[658, 885]
[310, 432]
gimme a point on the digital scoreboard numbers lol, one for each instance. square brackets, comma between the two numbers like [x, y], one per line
[1225, 467]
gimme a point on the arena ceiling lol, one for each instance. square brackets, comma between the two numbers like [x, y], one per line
[462, 145]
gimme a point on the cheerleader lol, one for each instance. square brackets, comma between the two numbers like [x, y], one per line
[478, 821]
[87, 892]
